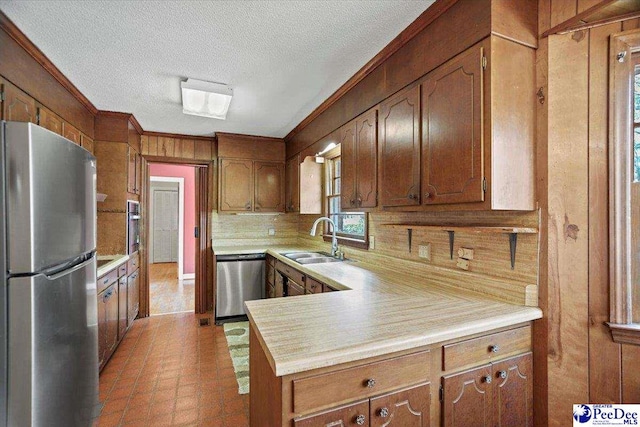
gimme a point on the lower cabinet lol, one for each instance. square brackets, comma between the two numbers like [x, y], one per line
[403, 408]
[496, 394]
[133, 296]
[284, 280]
[107, 323]
[122, 307]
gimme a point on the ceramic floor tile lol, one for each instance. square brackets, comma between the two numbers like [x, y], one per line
[171, 371]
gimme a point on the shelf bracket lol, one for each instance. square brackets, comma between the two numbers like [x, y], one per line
[409, 233]
[513, 241]
[451, 240]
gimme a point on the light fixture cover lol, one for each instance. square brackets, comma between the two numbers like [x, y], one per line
[206, 99]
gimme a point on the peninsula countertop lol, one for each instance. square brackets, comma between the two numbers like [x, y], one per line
[380, 311]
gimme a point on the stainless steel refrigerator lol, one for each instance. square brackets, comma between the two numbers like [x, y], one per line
[48, 308]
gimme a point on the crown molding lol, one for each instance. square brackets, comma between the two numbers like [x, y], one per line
[178, 136]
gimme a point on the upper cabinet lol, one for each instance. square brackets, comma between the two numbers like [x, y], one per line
[251, 186]
[399, 130]
[71, 133]
[252, 175]
[359, 145]
[292, 184]
[17, 106]
[452, 131]
[48, 120]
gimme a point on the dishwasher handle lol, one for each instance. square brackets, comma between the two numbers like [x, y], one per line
[243, 257]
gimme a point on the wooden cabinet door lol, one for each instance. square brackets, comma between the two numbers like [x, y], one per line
[513, 392]
[138, 181]
[123, 313]
[279, 285]
[111, 302]
[17, 106]
[133, 296]
[403, 408]
[87, 143]
[467, 399]
[294, 289]
[452, 140]
[102, 327]
[353, 415]
[131, 170]
[349, 167]
[399, 130]
[292, 190]
[71, 133]
[48, 120]
[269, 187]
[367, 160]
[236, 185]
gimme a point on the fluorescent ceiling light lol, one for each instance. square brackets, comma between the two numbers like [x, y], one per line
[206, 99]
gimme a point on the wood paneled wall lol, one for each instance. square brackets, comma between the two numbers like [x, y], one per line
[490, 270]
[576, 360]
[238, 230]
[178, 147]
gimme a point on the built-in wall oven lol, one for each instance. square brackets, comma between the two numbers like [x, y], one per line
[133, 226]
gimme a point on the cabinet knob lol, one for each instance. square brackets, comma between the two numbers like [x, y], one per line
[247, 206]
[427, 195]
[384, 413]
[412, 196]
[257, 208]
[370, 383]
[502, 374]
[359, 201]
[487, 379]
[352, 202]
[360, 419]
[494, 348]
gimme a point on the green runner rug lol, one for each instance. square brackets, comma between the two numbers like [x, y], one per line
[238, 341]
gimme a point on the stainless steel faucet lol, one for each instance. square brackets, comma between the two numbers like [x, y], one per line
[334, 239]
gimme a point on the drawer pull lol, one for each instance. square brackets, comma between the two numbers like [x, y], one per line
[502, 374]
[494, 348]
[360, 419]
[384, 413]
[370, 383]
[487, 379]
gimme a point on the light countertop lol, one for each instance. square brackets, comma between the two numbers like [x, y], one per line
[115, 261]
[381, 311]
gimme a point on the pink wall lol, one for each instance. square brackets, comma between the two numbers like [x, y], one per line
[189, 175]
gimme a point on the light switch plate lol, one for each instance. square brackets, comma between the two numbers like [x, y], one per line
[372, 241]
[424, 251]
[272, 232]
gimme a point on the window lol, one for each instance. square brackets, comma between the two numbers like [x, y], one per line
[351, 227]
[624, 176]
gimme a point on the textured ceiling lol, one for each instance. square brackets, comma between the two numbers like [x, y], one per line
[282, 58]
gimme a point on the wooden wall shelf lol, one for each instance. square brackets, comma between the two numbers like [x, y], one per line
[451, 230]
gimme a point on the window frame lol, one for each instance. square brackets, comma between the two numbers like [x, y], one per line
[343, 239]
[624, 48]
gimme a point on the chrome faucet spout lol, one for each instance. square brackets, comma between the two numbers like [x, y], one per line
[334, 239]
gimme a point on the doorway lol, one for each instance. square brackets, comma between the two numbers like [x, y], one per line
[172, 245]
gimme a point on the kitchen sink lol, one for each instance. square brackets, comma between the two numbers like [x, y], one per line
[300, 255]
[317, 260]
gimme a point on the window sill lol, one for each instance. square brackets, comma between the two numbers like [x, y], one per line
[625, 333]
[345, 241]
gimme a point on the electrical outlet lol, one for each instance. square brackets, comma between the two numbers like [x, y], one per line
[272, 232]
[424, 251]
[463, 263]
[465, 253]
[372, 241]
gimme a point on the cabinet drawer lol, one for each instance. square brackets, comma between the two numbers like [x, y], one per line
[313, 286]
[134, 263]
[122, 270]
[488, 348]
[105, 281]
[290, 272]
[359, 382]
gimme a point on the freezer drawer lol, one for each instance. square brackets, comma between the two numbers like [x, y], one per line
[238, 281]
[53, 358]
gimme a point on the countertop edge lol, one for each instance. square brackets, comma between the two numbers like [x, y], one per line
[115, 263]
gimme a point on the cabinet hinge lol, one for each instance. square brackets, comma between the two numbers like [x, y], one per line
[441, 394]
[484, 62]
[1, 95]
[484, 184]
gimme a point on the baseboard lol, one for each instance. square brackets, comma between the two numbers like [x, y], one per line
[189, 276]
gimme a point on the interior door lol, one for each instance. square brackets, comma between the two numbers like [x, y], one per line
[165, 226]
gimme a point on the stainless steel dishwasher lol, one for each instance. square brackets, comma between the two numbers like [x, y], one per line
[239, 278]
